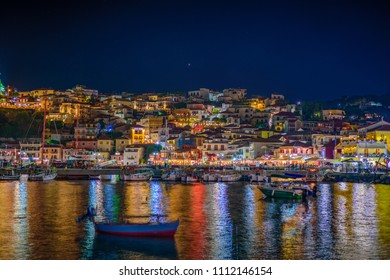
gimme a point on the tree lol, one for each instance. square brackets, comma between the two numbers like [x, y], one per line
[150, 149]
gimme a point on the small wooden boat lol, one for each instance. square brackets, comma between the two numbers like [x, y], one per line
[150, 229]
[162, 229]
[280, 192]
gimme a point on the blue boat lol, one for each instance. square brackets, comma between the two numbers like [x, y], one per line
[158, 229]
[149, 229]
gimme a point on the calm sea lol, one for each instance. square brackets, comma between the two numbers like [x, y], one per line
[218, 221]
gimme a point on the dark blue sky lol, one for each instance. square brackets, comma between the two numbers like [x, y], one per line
[303, 49]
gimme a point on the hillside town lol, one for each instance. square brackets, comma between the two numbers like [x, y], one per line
[201, 127]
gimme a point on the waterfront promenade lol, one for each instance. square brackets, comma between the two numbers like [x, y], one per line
[331, 176]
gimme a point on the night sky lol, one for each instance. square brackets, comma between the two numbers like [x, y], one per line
[306, 50]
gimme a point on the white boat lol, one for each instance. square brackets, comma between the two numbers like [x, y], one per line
[210, 177]
[172, 175]
[229, 177]
[189, 178]
[137, 174]
[43, 176]
[257, 178]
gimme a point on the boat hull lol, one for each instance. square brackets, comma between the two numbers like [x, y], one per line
[9, 178]
[280, 193]
[135, 177]
[47, 177]
[139, 230]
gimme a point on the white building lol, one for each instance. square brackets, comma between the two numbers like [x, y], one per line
[203, 93]
[214, 149]
[132, 155]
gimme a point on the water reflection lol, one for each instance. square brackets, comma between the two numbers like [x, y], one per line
[109, 247]
[21, 222]
[218, 221]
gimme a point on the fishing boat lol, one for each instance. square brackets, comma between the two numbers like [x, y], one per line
[281, 191]
[149, 229]
[166, 229]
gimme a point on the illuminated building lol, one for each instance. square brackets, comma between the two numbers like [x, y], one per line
[105, 144]
[137, 134]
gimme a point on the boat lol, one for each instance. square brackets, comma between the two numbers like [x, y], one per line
[172, 174]
[280, 191]
[189, 178]
[43, 175]
[166, 229]
[210, 177]
[257, 178]
[312, 175]
[94, 177]
[229, 177]
[9, 177]
[149, 229]
[136, 174]
[8, 174]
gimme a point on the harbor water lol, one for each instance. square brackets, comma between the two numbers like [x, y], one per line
[218, 221]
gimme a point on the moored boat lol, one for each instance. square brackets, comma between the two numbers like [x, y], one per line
[43, 176]
[8, 174]
[9, 177]
[210, 177]
[281, 192]
[172, 174]
[189, 178]
[229, 177]
[166, 229]
[136, 174]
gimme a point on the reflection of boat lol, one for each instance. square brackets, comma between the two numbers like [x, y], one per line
[140, 247]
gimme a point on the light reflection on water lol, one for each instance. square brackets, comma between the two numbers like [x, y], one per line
[218, 221]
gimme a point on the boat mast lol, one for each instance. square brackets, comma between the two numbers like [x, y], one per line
[77, 127]
[44, 125]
